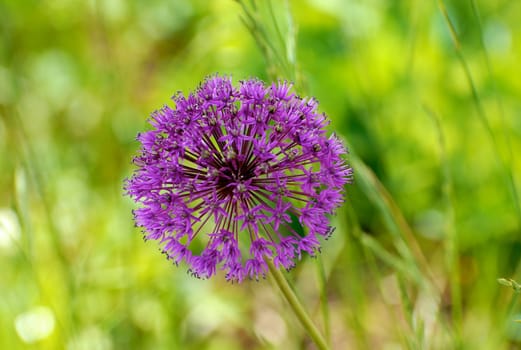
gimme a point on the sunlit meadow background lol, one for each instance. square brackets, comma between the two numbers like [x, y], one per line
[426, 94]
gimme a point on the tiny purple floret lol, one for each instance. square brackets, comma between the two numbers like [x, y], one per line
[231, 177]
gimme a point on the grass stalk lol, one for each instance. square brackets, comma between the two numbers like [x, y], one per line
[36, 182]
[504, 165]
[405, 241]
[451, 238]
[324, 304]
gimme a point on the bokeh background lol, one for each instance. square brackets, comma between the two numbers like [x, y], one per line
[426, 94]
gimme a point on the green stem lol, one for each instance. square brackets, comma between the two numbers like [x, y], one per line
[297, 307]
[324, 305]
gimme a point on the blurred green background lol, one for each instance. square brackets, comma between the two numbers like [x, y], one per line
[78, 80]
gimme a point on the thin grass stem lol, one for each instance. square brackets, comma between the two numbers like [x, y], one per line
[451, 237]
[324, 304]
[506, 169]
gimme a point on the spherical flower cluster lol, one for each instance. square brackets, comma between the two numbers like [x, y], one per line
[232, 177]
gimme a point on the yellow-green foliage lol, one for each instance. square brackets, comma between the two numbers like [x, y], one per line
[425, 93]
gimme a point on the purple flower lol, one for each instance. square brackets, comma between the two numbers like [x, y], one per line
[226, 178]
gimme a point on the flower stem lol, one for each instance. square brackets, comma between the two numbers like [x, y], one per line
[297, 307]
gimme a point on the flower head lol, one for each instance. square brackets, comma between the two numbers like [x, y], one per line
[233, 176]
